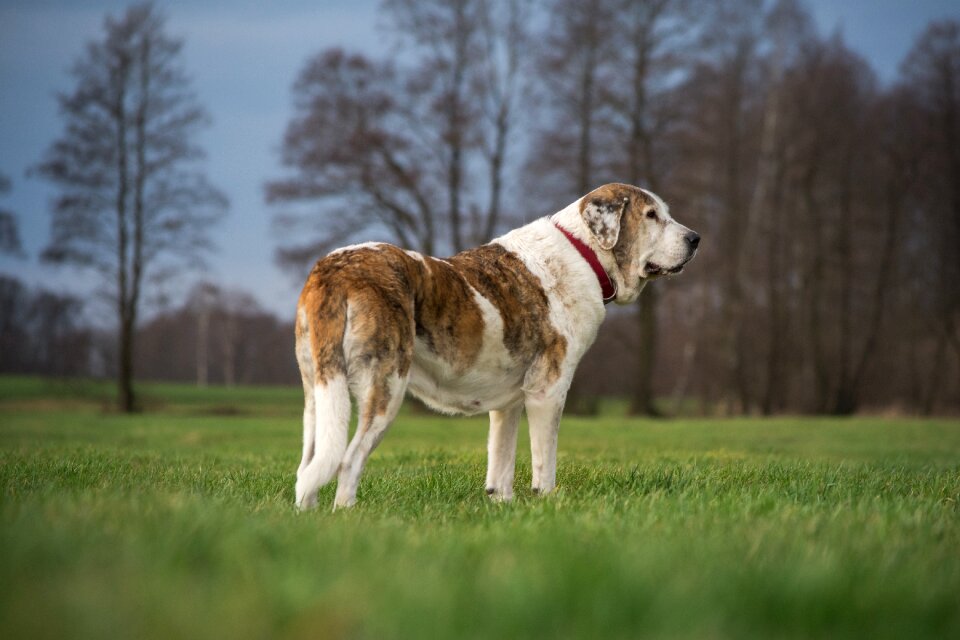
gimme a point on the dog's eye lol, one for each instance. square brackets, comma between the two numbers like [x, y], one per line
[652, 214]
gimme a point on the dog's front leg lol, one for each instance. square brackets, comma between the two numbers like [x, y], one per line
[543, 413]
[502, 452]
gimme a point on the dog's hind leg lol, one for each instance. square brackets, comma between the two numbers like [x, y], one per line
[331, 404]
[382, 396]
[502, 452]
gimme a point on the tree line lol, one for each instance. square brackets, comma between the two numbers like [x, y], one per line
[829, 201]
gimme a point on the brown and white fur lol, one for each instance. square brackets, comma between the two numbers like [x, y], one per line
[496, 329]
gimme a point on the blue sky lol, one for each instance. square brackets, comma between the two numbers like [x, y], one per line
[244, 57]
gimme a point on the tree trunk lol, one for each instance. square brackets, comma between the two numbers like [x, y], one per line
[884, 270]
[640, 152]
[577, 402]
[813, 287]
[643, 399]
[587, 106]
[935, 376]
[203, 324]
[845, 398]
[733, 213]
[229, 350]
[773, 392]
[455, 124]
[125, 394]
[496, 171]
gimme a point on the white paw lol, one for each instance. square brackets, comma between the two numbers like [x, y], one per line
[497, 495]
[305, 500]
[344, 502]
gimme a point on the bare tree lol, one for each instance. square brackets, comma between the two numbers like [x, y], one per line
[228, 310]
[351, 144]
[249, 346]
[9, 228]
[830, 280]
[649, 46]
[396, 141]
[41, 332]
[132, 204]
[721, 140]
[202, 300]
[501, 90]
[569, 157]
[448, 32]
[788, 29]
[932, 71]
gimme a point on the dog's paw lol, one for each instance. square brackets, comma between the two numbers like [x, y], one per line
[305, 500]
[541, 491]
[305, 503]
[344, 502]
[499, 496]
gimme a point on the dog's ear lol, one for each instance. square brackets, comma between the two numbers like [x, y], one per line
[602, 216]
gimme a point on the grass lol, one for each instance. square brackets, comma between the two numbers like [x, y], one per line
[179, 523]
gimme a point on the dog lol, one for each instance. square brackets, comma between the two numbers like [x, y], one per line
[499, 329]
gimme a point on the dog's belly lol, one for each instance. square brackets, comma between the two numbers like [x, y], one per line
[492, 382]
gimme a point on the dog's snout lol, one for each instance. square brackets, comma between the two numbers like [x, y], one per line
[693, 239]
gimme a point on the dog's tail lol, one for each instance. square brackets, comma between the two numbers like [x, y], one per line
[327, 409]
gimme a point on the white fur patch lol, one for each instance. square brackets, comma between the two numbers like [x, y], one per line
[355, 247]
[573, 292]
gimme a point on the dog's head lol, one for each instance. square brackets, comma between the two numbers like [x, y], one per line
[635, 226]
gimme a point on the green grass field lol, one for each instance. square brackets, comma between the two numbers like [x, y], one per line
[180, 523]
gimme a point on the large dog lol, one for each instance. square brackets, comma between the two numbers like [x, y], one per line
[494, 329]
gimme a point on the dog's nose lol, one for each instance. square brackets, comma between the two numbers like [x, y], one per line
[693, 239]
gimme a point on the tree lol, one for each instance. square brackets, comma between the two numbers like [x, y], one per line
[351, 142]
[41, 331]
[932, 72]
[501, 89]
[9, 229]
[250, 345]
[569, 156]
[133, 204]
[650, 47]
[395, 142]
[448, 31]
[719, 139]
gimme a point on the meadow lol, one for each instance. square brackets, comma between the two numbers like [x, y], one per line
[179, 522]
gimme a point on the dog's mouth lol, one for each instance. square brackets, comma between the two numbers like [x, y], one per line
[652, 269]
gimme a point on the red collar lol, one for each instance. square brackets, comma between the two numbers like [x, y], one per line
[607, 287]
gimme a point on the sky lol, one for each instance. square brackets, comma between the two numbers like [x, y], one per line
[243, 57]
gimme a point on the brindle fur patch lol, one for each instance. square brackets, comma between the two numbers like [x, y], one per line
[502, 278]
[448, 319]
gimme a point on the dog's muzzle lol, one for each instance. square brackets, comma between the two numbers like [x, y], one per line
[653, 269]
